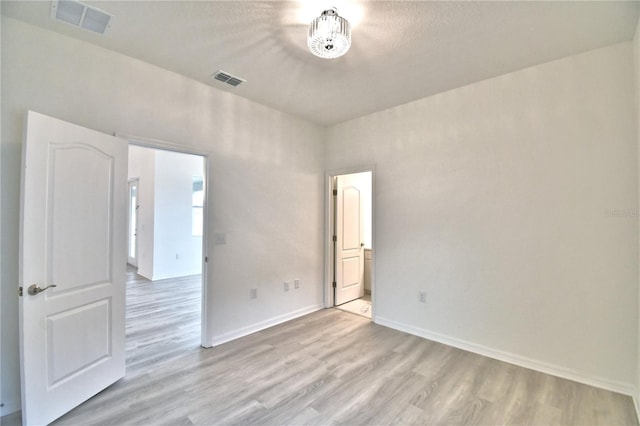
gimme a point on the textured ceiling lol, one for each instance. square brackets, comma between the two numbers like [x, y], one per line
[401, 50]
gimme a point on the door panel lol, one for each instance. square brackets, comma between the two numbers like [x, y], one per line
[351, 217]
[66, 330]
[72, 200]
[349, 247]
[73, 237]
[350, 272]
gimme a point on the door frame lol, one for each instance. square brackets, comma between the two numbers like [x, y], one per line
[136, 182]
[329, 222]
[205, 340]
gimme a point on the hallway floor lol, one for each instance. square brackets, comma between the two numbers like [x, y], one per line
[361, 306]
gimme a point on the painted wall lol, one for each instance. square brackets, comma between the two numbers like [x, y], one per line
[265, 181]
[166, 246]
[142, 164]
[6, 330]
[513, 203]
[176, 252]
[636, 75]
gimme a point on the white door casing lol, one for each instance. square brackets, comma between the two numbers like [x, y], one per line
[132, 223]
[349, 263]
[73, 236]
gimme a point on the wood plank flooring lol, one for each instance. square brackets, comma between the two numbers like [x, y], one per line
[329, 367]
[162, 320]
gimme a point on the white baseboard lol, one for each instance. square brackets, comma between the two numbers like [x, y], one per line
[10, 407]
[543, 367]
[147, 276]
[244, 331]
[164, 277]
[169, 277]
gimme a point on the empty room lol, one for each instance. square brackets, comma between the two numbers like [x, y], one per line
[485, 272]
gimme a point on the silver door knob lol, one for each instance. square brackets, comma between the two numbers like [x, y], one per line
[35, 289]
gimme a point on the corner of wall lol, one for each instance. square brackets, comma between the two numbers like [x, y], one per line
[2, 404]
[636, 75]
[262, 325]
[9, 401]
[515, 359]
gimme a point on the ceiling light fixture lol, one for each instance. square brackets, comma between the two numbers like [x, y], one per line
[329, 35]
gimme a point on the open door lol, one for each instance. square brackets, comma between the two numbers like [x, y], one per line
[349, 263]
[72, 266]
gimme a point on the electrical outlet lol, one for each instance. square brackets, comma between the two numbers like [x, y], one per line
[286, 286]
[422, 297]
[296, 284]
[220, 238]
[253, 294]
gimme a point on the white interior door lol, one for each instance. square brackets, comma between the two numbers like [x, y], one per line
[73, 237]
[349, 244]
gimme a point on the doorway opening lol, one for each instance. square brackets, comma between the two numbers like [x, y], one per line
[165, 291]
[350, 255]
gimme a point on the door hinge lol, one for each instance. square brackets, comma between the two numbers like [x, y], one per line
[335, 238]
[20, 291]
[206, 259]
[335, 192]
[334, 284]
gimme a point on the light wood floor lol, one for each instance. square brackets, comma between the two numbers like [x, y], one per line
[329, 367]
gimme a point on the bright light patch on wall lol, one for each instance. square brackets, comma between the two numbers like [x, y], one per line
[81, 15]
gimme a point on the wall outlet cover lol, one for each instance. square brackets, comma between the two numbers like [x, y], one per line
[220, 238]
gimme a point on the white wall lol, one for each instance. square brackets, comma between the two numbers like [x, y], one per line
[636, 79]
[166, 246]
[260, 160]
[513, 203]
[142, 164]
[176, 251]
[6, 330]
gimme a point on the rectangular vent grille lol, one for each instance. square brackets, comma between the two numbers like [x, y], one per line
[80, 15]
[228, 78]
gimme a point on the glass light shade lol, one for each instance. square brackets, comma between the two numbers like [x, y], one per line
[329, 35]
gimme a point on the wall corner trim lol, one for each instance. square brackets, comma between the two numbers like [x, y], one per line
[540, 366]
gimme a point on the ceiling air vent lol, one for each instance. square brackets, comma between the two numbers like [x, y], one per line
[225, 77]
[80, 15]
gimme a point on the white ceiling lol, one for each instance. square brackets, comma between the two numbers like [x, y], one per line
[401, 50]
